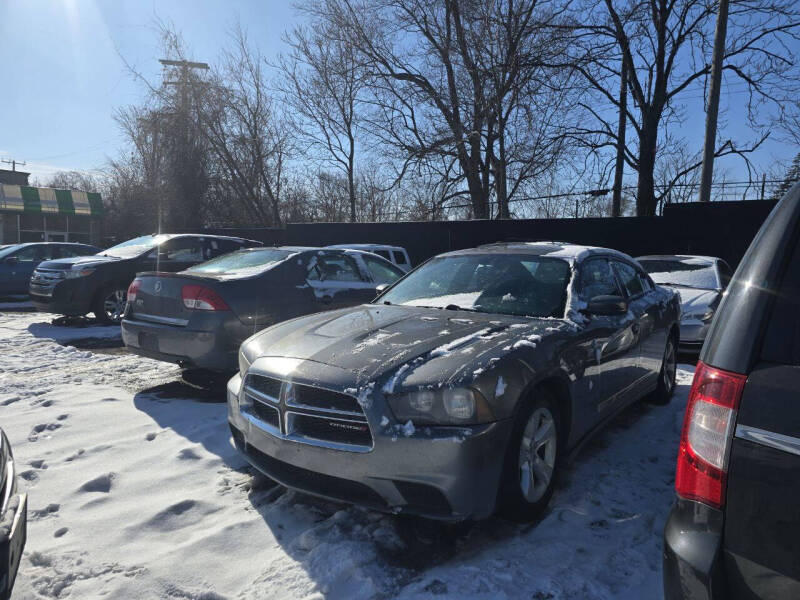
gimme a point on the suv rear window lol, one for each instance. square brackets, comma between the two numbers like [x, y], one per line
[782, 339]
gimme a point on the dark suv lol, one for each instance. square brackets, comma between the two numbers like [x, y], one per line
[734, 529]
[99, 283]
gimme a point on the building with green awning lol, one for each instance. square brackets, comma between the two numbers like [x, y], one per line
[37, 214]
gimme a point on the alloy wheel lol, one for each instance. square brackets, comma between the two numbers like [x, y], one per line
[670, 369]
[114, 305]
[537, 454]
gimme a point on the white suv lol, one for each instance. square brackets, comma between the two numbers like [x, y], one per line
[394, 254]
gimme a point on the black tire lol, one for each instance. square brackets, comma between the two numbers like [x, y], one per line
[667, 374]
[109, 304]
[523, 495]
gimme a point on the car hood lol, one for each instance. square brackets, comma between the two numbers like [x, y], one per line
[696, 300]
[81, 261]
[423, 345]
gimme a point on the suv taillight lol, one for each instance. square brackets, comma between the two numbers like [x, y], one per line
[198, 297]
[707, 433]
[132, 289]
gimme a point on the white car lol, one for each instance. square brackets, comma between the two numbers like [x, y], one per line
[700, 281]
[394, 254]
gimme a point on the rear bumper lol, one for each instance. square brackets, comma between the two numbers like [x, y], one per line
[66, 297]
[212, 348]
[13, 535]
[693, 558]
[447, 473]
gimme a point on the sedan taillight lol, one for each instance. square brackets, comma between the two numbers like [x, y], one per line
[133, 288]
[707, 433]
[198, 297]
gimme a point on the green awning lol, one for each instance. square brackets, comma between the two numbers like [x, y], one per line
[23, 198]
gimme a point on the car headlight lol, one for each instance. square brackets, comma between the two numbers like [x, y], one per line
[448, 406]
[70, 274]
[244, 364]
[704, 316]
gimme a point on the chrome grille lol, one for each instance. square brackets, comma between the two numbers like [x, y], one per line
[306, 414]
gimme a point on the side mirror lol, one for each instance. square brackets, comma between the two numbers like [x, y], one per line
[379, 289]
[11, 260]
[607, 306]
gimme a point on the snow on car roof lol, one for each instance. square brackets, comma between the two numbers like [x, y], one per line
[566, 250]
[686, 258]
[365, 247]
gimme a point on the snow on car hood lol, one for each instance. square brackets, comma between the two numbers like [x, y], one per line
[429, 345]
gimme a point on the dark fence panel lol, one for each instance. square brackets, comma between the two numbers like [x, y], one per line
[723, 229]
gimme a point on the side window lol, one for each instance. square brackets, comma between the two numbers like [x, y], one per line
[629, 278]
[333, 267]
[31, 254]
[383, 254]
[596, 280]
[215, 247]
[399, 257]
[782, 340]
[183, 250]
[70, 251]
[382, 272]
[647, 285]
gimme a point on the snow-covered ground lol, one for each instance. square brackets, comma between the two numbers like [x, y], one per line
[136, 492]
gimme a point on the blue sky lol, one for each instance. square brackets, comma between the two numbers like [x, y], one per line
[63, 74]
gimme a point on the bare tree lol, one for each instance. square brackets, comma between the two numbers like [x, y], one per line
[666, 47]
[323, 82]
[250, 138]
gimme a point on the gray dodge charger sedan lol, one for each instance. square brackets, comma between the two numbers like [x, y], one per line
[199, 317]
[459, 390]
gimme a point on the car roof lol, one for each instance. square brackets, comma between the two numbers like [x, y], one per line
[565, 250]
[366, 247]
[711, 259]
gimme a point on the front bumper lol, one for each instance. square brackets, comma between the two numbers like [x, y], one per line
[212, 346]
[448, 473]
[693, 558]
[692, 335]
[13, 534]
[71, 297]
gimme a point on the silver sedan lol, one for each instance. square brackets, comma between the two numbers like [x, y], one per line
[700, 281]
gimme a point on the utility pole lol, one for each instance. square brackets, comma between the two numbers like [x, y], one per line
[13, 163]
[713, 102]
[186, 187]
[616, 200]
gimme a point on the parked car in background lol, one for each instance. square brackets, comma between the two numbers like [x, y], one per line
[99, 283]
[733, 531]
[461, 388]
[13, 520]
[394, 254]
[199, 317]
[700, 281]
[17, 262]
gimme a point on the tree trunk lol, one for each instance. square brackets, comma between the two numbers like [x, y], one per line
[645, 194]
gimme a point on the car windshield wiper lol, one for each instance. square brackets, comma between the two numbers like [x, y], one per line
[686, 285]
[457, 307]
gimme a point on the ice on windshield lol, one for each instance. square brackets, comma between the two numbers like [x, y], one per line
[515, 284]
[243, 263]
[689, 272]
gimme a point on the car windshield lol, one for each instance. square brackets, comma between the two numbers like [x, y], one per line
[136, 246]
[512, 284]
[247, 260]
[6, 250]
[686, 272]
